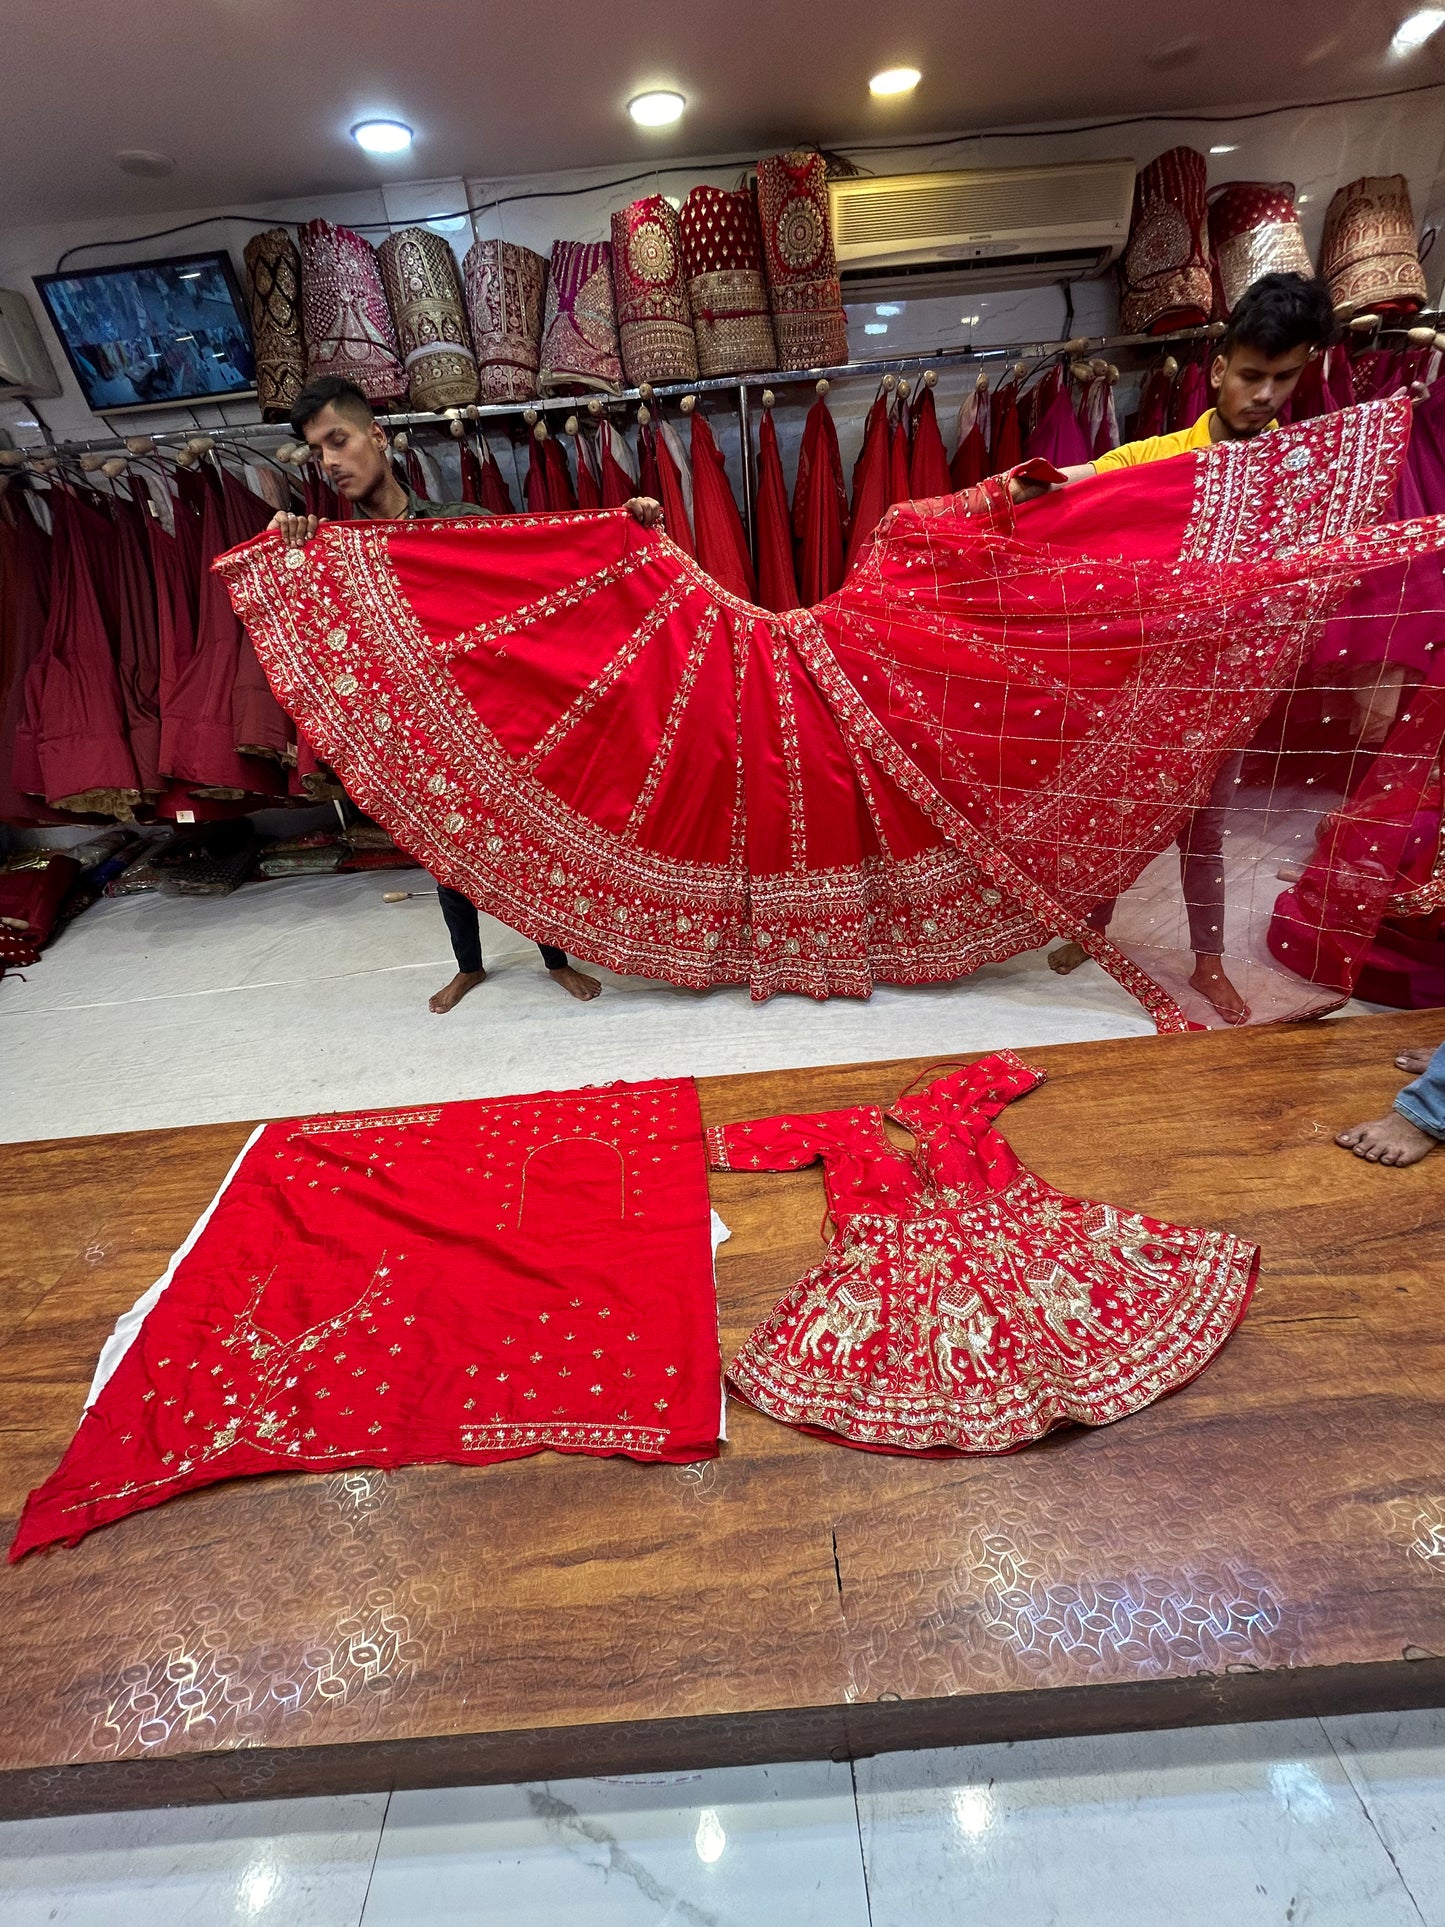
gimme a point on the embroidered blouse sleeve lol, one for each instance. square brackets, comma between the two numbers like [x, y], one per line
[775, 1143]
[983, 1089]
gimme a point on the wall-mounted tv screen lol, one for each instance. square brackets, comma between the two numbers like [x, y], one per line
[153, 333]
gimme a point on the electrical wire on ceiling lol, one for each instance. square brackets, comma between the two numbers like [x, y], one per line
[856, 147]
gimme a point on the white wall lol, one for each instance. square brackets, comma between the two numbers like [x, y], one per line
[1316, 148]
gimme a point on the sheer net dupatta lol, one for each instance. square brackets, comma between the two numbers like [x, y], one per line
[996, 724]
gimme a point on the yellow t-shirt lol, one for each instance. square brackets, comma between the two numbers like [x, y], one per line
[1158, 448]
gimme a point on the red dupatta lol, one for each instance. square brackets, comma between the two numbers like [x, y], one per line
[999, 720]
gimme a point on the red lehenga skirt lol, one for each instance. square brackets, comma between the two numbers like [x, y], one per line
[1001, 718]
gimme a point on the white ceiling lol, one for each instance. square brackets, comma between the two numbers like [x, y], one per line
[253, 98]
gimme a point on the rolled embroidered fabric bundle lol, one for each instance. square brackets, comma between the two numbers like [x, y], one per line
[506, 294]
[419, 271]
[1369, 254]
[1253, 230]
[724, 259]
[579, 334]
[1166, 276]
[349, 330]
[803, 286]
[274, 270]
[654, 315]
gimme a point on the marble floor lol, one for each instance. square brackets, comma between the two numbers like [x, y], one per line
[312, 994]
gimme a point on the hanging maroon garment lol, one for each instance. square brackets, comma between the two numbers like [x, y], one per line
[964, 1305]
[649, 477]
[676, 517]
[1102, 418]
[198, 729]
[898, 458]
[1153, 416]
[871, 477]
[138, 641]
[722, 547]
[73, 735]
[820, 507]
[451, 1283]
[1376, 372]
[496, 496]
[1005, 449]
[261, 726]
[777, 583]
[471, 473]
[539, 480]
[618, 487]
[24, 604]
[927, 460]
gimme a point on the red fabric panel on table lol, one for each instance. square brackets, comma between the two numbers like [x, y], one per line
[454, 1284]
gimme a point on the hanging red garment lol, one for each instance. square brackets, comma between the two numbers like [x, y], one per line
[964, 1305]
[539, 478]
[722, 547]
[505, 1277]
[820, 507]
[777, 583]
[1190, 398]
[970, 459]
[24, 604]
[649, 477]
[561, 493]
[1103, 418]
[260, 726]
[1005, 449]
[1058, 437]
[137, 641]
[618, 486]
[589, 487]
[72, 740]
[898, 458]
[927, 460]
[871, 477]
[198, 728]
[496, 496]
[676, 507]
[1153, 416]
[996, 724]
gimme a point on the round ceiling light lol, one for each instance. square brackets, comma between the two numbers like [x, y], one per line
[1412, 34]
[659, 108]
[382, 136]
[145, 162]
[895, 80]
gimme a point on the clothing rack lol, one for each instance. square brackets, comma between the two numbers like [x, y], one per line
[739, 387]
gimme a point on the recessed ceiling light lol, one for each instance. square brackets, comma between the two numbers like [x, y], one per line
[1227, 149]
[895, 80]
[659, 108]
[1414, 32]
[145, 162]
[875, 327]
[382, 136]
[887, 307]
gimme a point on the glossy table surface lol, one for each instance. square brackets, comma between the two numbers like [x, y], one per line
[1271, 1540]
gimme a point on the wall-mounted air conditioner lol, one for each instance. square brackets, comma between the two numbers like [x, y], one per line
[25, 367]
[979, 228]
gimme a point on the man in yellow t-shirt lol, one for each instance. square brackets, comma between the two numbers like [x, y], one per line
[1281, 322]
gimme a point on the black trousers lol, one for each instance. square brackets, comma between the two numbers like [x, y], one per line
[465, 931]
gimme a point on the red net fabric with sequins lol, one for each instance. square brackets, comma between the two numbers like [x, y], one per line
[965, 1304]
[999, 724]
[500, 1278]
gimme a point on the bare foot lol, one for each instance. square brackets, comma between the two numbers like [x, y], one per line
[450, 995]
[1212, 984]
[576, 983]
[1416, 1062]
[1067, 957]
[1390, 1139]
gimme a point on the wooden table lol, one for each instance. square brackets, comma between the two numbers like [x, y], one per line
[1270, 1541]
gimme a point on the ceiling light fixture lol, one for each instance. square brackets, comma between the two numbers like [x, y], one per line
[875, 327]
[382, 136]
[1411, 34]
[659, 108]
[894, 80]
[1225, 149]
[887, 307]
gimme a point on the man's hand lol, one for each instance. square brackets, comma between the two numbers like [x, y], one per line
[643, 509]
[296, 528]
